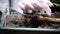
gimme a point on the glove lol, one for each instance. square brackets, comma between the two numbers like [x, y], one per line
[30, 5]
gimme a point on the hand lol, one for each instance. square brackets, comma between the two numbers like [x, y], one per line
[30, 5]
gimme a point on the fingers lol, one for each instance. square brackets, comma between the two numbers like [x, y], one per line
[41, 11]
[29, 11]
[38, 5]
[49, 3]
[29, 6]
[42, 5]
[21, 5]
[47, 9]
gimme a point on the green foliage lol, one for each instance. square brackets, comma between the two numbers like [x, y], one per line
[56, 2]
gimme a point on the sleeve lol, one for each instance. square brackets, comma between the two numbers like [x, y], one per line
[15, 6]
[3, 5]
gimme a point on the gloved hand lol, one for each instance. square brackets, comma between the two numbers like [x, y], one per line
[30, 5]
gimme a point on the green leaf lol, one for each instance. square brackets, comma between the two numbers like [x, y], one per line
[56, 4]
[54, 1]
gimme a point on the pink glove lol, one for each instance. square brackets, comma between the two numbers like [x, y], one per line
[41, 5]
